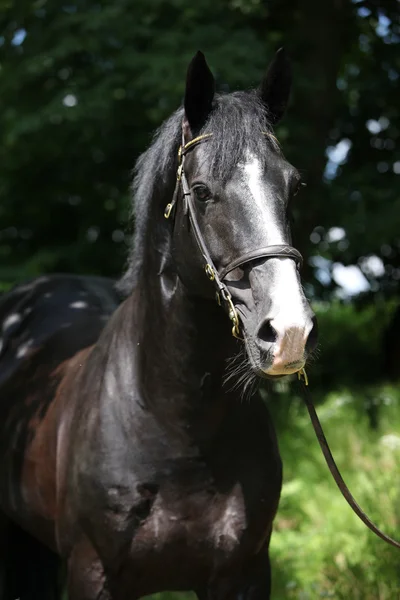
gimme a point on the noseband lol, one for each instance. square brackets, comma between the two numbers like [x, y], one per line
[215, 276]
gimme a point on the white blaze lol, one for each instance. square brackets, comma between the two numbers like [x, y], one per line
[260, 200]
[288, 316]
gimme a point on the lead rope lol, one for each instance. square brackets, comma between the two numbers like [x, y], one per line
[303, 382]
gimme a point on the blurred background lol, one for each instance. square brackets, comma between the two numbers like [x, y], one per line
[83, 85]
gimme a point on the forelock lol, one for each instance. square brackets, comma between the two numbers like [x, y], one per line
[239, 124]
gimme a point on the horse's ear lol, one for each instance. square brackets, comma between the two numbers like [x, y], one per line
[199, 93]
[275, 88]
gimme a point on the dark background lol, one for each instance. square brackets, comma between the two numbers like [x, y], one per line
[83, 85]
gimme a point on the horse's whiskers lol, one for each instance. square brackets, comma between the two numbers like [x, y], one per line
[239, 374]
[314, 355]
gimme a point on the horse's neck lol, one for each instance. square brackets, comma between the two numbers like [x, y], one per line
[187, 338]
[174, 350]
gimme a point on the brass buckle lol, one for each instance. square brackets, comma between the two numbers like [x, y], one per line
[302, 376]
[168, 210]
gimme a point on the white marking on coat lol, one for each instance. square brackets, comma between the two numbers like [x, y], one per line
[78, 304]
[260, 195]
[288, 309]
[11, 320]
[230, 525]
[24, 348]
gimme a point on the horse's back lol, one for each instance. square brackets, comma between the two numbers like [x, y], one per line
[52, 317]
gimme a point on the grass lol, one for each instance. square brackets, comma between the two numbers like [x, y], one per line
[320, 549]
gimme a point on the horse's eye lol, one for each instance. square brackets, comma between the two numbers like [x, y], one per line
[202, 192]
[298, 187]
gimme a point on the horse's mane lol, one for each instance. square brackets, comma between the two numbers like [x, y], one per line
[237, 122]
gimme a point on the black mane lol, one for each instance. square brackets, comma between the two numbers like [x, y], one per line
[237, 122]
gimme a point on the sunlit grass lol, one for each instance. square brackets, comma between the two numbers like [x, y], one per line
[320, 548]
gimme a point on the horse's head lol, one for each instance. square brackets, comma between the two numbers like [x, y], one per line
[233, 223]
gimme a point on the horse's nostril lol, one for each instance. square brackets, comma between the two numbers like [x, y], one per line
[267, 333]
[312, 336]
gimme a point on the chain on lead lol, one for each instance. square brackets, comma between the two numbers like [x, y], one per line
[233, 315]
[232, 312]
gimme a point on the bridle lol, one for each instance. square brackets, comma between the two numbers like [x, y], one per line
[216, 277]
[222, 292]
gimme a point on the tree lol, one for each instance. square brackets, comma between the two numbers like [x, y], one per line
[85, 83]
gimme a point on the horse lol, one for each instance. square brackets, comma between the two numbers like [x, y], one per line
[130, 461]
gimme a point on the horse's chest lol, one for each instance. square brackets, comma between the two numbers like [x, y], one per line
[197, 522]
[187, 518]
[185, 538]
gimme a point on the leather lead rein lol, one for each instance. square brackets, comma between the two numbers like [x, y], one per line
[330, 461]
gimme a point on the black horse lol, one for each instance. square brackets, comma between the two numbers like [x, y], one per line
[127, 453]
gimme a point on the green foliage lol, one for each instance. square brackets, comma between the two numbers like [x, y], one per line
[84, 84]
[350, 343]
[319, 547]
[81, 95]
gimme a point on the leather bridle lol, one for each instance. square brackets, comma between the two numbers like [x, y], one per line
[214, 275]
